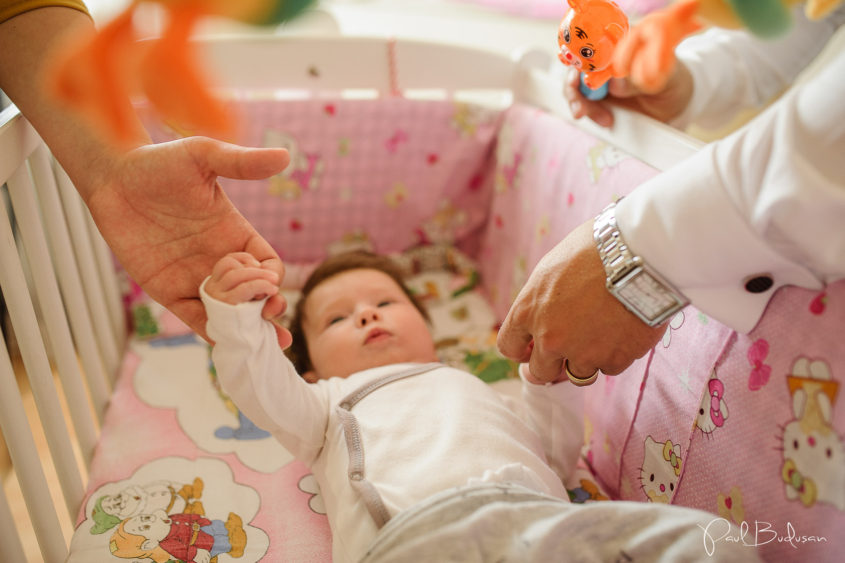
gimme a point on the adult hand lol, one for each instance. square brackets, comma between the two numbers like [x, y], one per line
[159, 207]
[664, 105]
[567, 312]
[167, 220]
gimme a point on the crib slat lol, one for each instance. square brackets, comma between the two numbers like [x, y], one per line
[24, 454]
[91, 282]
[21, 190]
[24, 321]
[106, 268]
[70, 282]
[10, 544]
[19, 140]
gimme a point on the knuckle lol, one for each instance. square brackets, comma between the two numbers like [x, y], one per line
[617, 363]
[547, 342]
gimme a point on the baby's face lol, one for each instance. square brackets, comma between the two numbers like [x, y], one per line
[360, 319]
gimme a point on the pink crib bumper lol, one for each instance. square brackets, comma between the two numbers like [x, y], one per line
[747, 427]
[743, 426]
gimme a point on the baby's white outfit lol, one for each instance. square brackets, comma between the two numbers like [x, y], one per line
[424, 462]
[433, 428]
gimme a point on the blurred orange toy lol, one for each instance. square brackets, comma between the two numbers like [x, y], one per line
[98, 75]
[587, 38]
[647, 54]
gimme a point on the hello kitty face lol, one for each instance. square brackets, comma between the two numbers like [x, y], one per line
[713, 410]
[660, 470]
[813, 453]
[603, 156]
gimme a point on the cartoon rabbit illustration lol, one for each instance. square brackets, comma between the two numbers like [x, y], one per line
[813, 467]
[304, 171]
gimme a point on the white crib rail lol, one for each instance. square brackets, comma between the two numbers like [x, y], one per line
[43, 290]
[312, 64]
[256, 63]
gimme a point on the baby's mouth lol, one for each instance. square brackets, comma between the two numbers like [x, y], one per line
[376, 335]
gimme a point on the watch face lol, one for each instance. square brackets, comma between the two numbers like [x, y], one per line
[647, 296]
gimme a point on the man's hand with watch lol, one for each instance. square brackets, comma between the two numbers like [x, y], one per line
[590, 304]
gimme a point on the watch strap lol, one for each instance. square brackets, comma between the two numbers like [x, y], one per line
[639, 288]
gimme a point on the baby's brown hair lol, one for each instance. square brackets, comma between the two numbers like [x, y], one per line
[330, 267]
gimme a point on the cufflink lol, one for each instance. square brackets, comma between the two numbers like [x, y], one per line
[760, 283]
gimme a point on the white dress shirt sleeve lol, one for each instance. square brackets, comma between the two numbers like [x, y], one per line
[768, 200]
[732, 70]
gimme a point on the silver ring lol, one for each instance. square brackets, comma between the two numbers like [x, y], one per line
[579, 381]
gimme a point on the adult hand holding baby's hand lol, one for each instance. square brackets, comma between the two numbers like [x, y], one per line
[167, 220]
[238, 277]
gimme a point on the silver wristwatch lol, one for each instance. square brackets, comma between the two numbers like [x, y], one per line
[642, 290]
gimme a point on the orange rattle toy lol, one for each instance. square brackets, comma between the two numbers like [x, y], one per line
[98, 75]
[587, 38]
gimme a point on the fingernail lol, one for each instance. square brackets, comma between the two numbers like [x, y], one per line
[576, 108]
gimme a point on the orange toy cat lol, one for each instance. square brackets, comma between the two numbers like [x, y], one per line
[588, 36]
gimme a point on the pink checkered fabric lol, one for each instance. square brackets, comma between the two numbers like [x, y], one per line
[748, 427]
[392, 173]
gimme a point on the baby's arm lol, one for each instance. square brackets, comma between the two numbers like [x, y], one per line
[239, 277]
[251, 366]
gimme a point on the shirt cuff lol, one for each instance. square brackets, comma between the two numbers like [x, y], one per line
[687, 227]
[229, 320]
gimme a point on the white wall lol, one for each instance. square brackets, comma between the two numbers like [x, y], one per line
[440, 20]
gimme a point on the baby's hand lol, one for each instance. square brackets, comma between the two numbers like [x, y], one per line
[238, 277]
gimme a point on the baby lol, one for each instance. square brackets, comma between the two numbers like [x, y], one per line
[398, 442]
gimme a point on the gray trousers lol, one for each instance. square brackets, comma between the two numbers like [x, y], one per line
[501, 523]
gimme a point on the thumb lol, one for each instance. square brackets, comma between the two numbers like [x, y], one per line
[283, 337]
[237, 162]
[514, 341]
[622, 88]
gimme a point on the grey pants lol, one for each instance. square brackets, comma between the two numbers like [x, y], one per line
[500, 523]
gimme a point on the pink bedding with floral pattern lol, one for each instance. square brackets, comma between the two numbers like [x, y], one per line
[744, 426]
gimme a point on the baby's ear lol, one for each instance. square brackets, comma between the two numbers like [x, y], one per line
[311, 376]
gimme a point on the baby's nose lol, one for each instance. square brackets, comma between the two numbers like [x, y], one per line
[367, 316]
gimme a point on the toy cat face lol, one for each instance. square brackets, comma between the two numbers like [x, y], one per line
[589, 33]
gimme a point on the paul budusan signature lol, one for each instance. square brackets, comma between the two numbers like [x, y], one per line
[720, 530]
